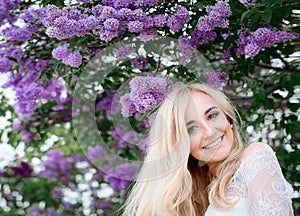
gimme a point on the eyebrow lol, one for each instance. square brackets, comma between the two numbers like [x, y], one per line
[207, 111]
[210, 109]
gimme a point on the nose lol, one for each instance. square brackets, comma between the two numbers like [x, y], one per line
[206, 129]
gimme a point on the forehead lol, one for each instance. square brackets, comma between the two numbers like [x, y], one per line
[198, 103]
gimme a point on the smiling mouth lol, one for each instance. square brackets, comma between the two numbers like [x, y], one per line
[215, 143]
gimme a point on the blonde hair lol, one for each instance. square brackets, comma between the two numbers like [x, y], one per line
[171, 182]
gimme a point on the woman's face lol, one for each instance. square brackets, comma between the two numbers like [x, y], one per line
[209, 130]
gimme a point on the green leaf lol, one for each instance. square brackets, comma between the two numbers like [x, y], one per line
[267, 15]
[245, 14]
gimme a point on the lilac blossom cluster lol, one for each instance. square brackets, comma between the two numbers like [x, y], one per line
[109, 21]
[216, 17]
[140, 63]
[106, 103]
[24, 170]
[123, 52]
[5, 7]
[177, 21]
[203, 33]
[146, 93]
[118, 4]
[57, 167]
[69, 58]
[29, 90]
[15, 33]
[34, 210]
[121, 176]
[95, 153]
[216, 79]
[250, 43]
[10, 55]
[123, 138]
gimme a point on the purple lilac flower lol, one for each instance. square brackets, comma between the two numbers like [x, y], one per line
[26, 106]
[33, 210]
[140, 63]
[5, 64]
[68, 205]
[24, 170]
[174, 23]
[118, 4]
[125, 14]
[227, 54]
[32, 91]
[284, 36]
[216, 79]
[56, 166]
[146, 3]
[111, 24]
[215, 18]
[147, 34]
[107, 35]
[27, 135]
[183, 14]
[52, 212]
[53, 89]
[262, 35]
[53, 32]
[16, 53]
[121, 176]
[147, 92]
[223, 8]
[202, 37]
[159, 20]
[127, 105]
[122, 53]
[27, 98]
[73, 59]
[57, 192]
[13, 80]
[102, 205]
[123, 138]
[41, 65]
[250, 43]
[143, 144]
[148, 22]
[139, 15]
[204, 24]
[184, 45]
[17, 125]
[97, 10]
[95, 153]
[105, 103]
[2, 173]
[15, 33]
[108, 12]
[135, 26]
[252, 49]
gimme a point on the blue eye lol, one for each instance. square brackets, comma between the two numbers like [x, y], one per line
[213, 115]
[192, 129]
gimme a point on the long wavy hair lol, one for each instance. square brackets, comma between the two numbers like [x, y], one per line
[171, 182]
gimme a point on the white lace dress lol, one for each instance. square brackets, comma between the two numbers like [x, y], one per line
[259, 186]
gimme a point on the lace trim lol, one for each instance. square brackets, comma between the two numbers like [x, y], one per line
[262, 159]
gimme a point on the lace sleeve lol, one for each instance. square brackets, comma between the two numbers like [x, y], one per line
[269, 193]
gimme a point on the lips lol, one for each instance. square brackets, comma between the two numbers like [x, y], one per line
[214, 144]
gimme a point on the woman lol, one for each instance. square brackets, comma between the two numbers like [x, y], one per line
[200, 165]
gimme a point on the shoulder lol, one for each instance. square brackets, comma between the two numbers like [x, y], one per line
[258, 147]
[259, 157]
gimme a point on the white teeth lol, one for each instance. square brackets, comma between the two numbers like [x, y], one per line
[217, 142]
